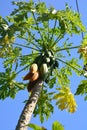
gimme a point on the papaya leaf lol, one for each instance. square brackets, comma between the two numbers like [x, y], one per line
[62, 76]
[57, 126]
[82, 89]
[65, 100]
[36, 127]
[8, 86]
[51, 82]
[44, 108]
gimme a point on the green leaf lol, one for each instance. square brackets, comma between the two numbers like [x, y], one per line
[8, 86]
[51, 82]
[44, 107]
[82, 89]
[36, 127]
[57, 126]
[62, 76]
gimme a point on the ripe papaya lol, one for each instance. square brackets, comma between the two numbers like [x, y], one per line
[33, 68]
[35, 76]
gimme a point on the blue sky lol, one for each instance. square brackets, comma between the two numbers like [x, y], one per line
[10, 109]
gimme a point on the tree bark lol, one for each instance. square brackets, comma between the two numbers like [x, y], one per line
[29, 107]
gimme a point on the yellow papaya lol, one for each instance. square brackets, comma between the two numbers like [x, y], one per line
[33, 68]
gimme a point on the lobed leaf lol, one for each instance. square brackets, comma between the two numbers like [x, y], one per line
[82, 89]
[57, 126]
[44, 107]
[65, 100]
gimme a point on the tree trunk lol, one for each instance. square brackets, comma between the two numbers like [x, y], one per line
[29, 107]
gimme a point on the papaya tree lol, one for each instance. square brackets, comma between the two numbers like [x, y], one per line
[39, 36]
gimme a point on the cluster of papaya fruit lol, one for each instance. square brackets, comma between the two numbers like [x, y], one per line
[42, 68]
[46, 63]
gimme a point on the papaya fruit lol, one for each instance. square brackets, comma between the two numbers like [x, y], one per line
[33, 68]
[38, 60]
[47, 60]
[48, 53]
[56, 64]
[43, 71]
[35, 76]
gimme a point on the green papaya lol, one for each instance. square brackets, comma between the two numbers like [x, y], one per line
[56, 64]
[48, 53]
[38, 60]
[43, 71]
[47, 60]
[52, 60]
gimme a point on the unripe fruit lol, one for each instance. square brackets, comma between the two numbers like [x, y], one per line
[47, 60]
[43, 69]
